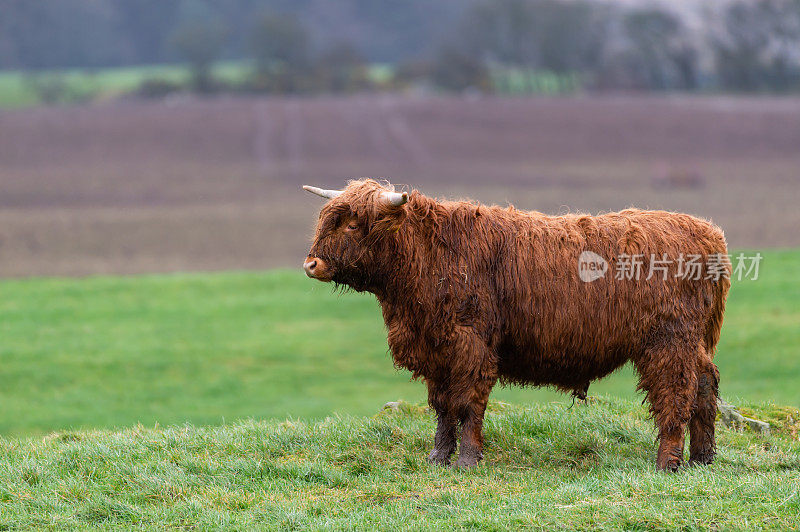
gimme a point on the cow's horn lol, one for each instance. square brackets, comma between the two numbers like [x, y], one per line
[328, 194]
[396, 198]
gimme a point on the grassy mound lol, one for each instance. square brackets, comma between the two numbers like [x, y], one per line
[545, 466]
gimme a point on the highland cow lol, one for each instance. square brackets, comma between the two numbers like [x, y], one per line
[473, 294]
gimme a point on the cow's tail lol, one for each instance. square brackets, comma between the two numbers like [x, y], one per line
[714, 324]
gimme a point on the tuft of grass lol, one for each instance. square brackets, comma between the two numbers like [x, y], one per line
[545, 466]
[783, 419]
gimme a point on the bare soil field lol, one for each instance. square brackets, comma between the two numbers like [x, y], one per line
[130, 187]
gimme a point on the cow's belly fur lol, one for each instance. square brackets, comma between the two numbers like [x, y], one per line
[527, 365]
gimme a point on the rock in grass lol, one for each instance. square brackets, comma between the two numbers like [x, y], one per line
[733, 419]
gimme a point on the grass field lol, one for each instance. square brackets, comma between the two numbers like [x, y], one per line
[213, 348]
[547, 467]
[80, 85]
[16, 88]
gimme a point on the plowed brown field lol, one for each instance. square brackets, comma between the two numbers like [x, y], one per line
[213, 184]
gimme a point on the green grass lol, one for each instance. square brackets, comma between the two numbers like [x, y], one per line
[110, 352]
[513, 80]
[87, 84]
[546, 466]
[78, 85]
[227, 350]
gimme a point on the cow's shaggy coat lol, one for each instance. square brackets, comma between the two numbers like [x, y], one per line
[472, 295]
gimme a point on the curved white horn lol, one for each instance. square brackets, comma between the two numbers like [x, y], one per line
[396, 198]
[328, 194]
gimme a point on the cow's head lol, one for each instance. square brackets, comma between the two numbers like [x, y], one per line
[355, 228]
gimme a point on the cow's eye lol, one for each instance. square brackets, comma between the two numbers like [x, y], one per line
[352, 226]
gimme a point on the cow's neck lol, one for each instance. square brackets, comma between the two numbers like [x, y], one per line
[416, 265]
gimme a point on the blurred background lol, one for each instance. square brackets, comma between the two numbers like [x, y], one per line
[145, 137]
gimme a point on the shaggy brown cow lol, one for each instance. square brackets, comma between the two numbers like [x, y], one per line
[474, 294]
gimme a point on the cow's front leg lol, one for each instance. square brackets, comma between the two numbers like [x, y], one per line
[471, 450]
[444, 443]
[471, 383]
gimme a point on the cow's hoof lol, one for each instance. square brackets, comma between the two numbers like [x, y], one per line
[701, 459]
[438, 457]
[671, 466]
[468, 460]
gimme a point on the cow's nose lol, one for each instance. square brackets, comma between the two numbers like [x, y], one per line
[309, 266]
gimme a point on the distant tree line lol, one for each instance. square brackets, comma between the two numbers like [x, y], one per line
[735, 45]
[45, 34]
[284, 59]
[301, 46]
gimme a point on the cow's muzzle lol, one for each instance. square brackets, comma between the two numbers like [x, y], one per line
[316, 268]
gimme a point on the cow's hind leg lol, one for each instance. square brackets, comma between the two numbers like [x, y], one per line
[444, 443]
[668, 374]
[704, 412]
